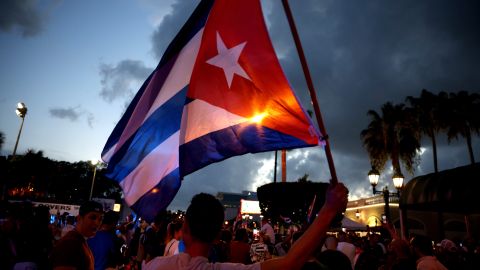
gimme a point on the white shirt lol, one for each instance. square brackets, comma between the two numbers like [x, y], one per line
[429, 263]
[183, 261]
[347, 249]
[171, 248]
[268, 230]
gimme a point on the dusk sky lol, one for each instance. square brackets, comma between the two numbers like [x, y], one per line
[77, 64]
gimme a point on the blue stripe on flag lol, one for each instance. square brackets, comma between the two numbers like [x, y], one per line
[228, 142]
[190, 29]
[118, 130]
[151, 203]
[164, 122]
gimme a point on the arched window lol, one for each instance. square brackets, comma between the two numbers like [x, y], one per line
[412, 224]
[454, 225]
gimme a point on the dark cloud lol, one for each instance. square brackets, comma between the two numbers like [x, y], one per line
[170, 26]
[361, 55]
[25, 16]
[122, 80]
[70, 113]
[73, 114]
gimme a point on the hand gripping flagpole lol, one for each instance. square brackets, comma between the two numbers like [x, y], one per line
[311, 89]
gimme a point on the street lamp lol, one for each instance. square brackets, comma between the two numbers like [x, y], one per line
[373, 177]
[94, 162]
[21, 112]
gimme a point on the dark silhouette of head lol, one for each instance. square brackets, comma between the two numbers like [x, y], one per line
[204, 217]
[241, 235]
[422, 244]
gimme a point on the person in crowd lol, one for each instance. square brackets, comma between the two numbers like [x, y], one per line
[267, 229]
[344, 245]
[423, 251]
[204, 220]
[398, 256]
[368, 257]
[105, 245]
[330, 243]
[259, 249]
[220, 248]
[72, 251]
[70, 220]
[282, 248]
[448, 254]
[175, 234]
[140, 240]
[239, 247]
[334, 259]
[155, 236]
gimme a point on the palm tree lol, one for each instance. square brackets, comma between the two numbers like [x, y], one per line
[2, 140]
[427, 111]
[392, 135]
[462, 118]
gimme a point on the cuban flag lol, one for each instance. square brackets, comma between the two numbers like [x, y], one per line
[217, 92]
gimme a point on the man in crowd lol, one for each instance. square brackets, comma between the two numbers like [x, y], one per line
[105, 245]
[204, 220]
[423, 252]
[72, 252]
[268, 230]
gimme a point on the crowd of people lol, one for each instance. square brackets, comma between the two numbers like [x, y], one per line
[201, 240]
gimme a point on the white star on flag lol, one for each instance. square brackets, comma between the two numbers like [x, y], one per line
[227, 59]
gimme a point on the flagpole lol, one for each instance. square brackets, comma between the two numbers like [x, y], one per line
[311, 89]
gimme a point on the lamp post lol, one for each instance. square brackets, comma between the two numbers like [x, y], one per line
[21, 111]
[374, 176]
[94, 162]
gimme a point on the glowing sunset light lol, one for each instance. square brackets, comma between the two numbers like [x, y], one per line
[258, 118]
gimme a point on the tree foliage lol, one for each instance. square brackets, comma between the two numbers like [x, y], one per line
[395, 133]
[33, 176]
[392, 135]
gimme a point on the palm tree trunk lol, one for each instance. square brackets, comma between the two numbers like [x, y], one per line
[434, 147]
[469, 144]
[284, 166]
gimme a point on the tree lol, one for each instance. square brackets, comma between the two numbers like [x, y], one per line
[462, 118]
[427, 111]
[2, 140]
[392, 135]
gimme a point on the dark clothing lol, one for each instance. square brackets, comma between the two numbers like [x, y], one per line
[239, 252]
[73, 251]
[154, 245]
[105, 250]
[404, 264]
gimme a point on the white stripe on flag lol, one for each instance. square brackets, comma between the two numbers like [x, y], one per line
[106, 158]
[177, 79]
[201, 118]
[151, 170]
[179, 76]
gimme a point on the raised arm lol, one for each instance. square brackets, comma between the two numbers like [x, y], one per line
[300, 252]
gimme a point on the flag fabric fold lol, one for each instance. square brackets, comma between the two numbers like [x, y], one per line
[218, 92]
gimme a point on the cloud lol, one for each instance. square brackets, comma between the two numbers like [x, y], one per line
[73, 114]
[122, 80]
[25, 16]
[361, 55]
[70, 113]
[170, 25]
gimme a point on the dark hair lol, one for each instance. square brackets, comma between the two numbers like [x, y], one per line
[241, 234]
[334, 259]
[204, 217]
[423, 243]
[90, 206]
[296, 235]
[174, 227]
[110, 218]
